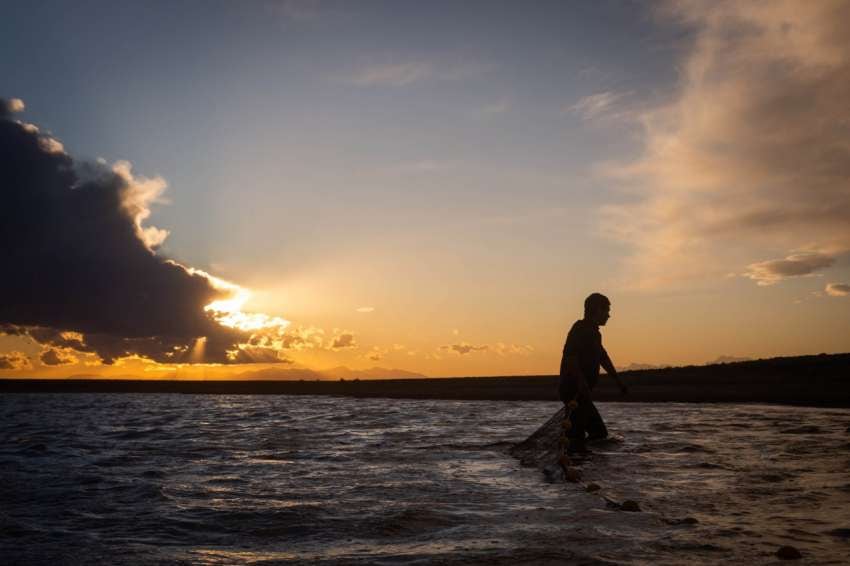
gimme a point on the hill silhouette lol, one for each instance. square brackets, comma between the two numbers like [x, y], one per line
[822, 380]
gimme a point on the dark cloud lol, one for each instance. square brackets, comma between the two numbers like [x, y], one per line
[343, 341]
[302, 338]
[77, 258]
[254, 355]
[54, 357]
[797, 265]
[14, 360]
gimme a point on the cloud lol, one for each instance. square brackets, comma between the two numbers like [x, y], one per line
[365, 309]
[302, 338]
[50, 145]
[837, 289]
[595, 105]
[299, 338]
[136, 199]
[15, 360]
[259, 355]
[56, 357]
[503, 349]
[378, 353]
[343, 340]
[499, 348]
[288, 338]
[404, 73]
[463, 348]
[796, 265]
[750, 156]
[78, 257]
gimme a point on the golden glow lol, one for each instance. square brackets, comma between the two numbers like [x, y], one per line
[228, 312]
[197, 353]
[266, 340]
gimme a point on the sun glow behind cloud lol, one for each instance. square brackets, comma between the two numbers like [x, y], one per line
[266, 341]
[228, 311]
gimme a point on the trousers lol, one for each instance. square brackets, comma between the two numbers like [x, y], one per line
[585, 419]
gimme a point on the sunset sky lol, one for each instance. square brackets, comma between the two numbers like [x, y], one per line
[431, 186]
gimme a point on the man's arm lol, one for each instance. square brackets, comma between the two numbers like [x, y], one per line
[609, 368]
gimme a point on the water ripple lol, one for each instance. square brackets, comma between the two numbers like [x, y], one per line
[215, 479]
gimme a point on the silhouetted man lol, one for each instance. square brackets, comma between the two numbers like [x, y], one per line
[583, 354]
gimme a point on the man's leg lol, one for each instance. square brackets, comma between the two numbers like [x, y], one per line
[578, 420]
[595, 425]
[568, 391]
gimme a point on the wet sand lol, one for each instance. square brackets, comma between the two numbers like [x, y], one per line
[822, 380]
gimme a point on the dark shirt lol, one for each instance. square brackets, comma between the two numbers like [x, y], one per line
[585, 342]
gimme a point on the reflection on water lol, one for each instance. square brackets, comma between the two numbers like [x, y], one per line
[223, 479]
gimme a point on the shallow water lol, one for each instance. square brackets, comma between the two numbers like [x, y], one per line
[215, 479]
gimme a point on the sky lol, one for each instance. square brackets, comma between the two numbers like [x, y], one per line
[206, 188]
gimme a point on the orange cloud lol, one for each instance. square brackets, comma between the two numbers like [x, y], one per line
[837, 289]
[15, 360]
[57, 357]
[463, 348]
[795, 265]
[343, 340]
[499, 348]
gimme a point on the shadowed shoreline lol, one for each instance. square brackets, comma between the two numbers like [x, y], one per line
[822, 380]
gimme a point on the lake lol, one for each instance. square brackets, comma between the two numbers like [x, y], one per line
[222, 479]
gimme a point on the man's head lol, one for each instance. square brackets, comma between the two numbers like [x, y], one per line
[597, 309]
